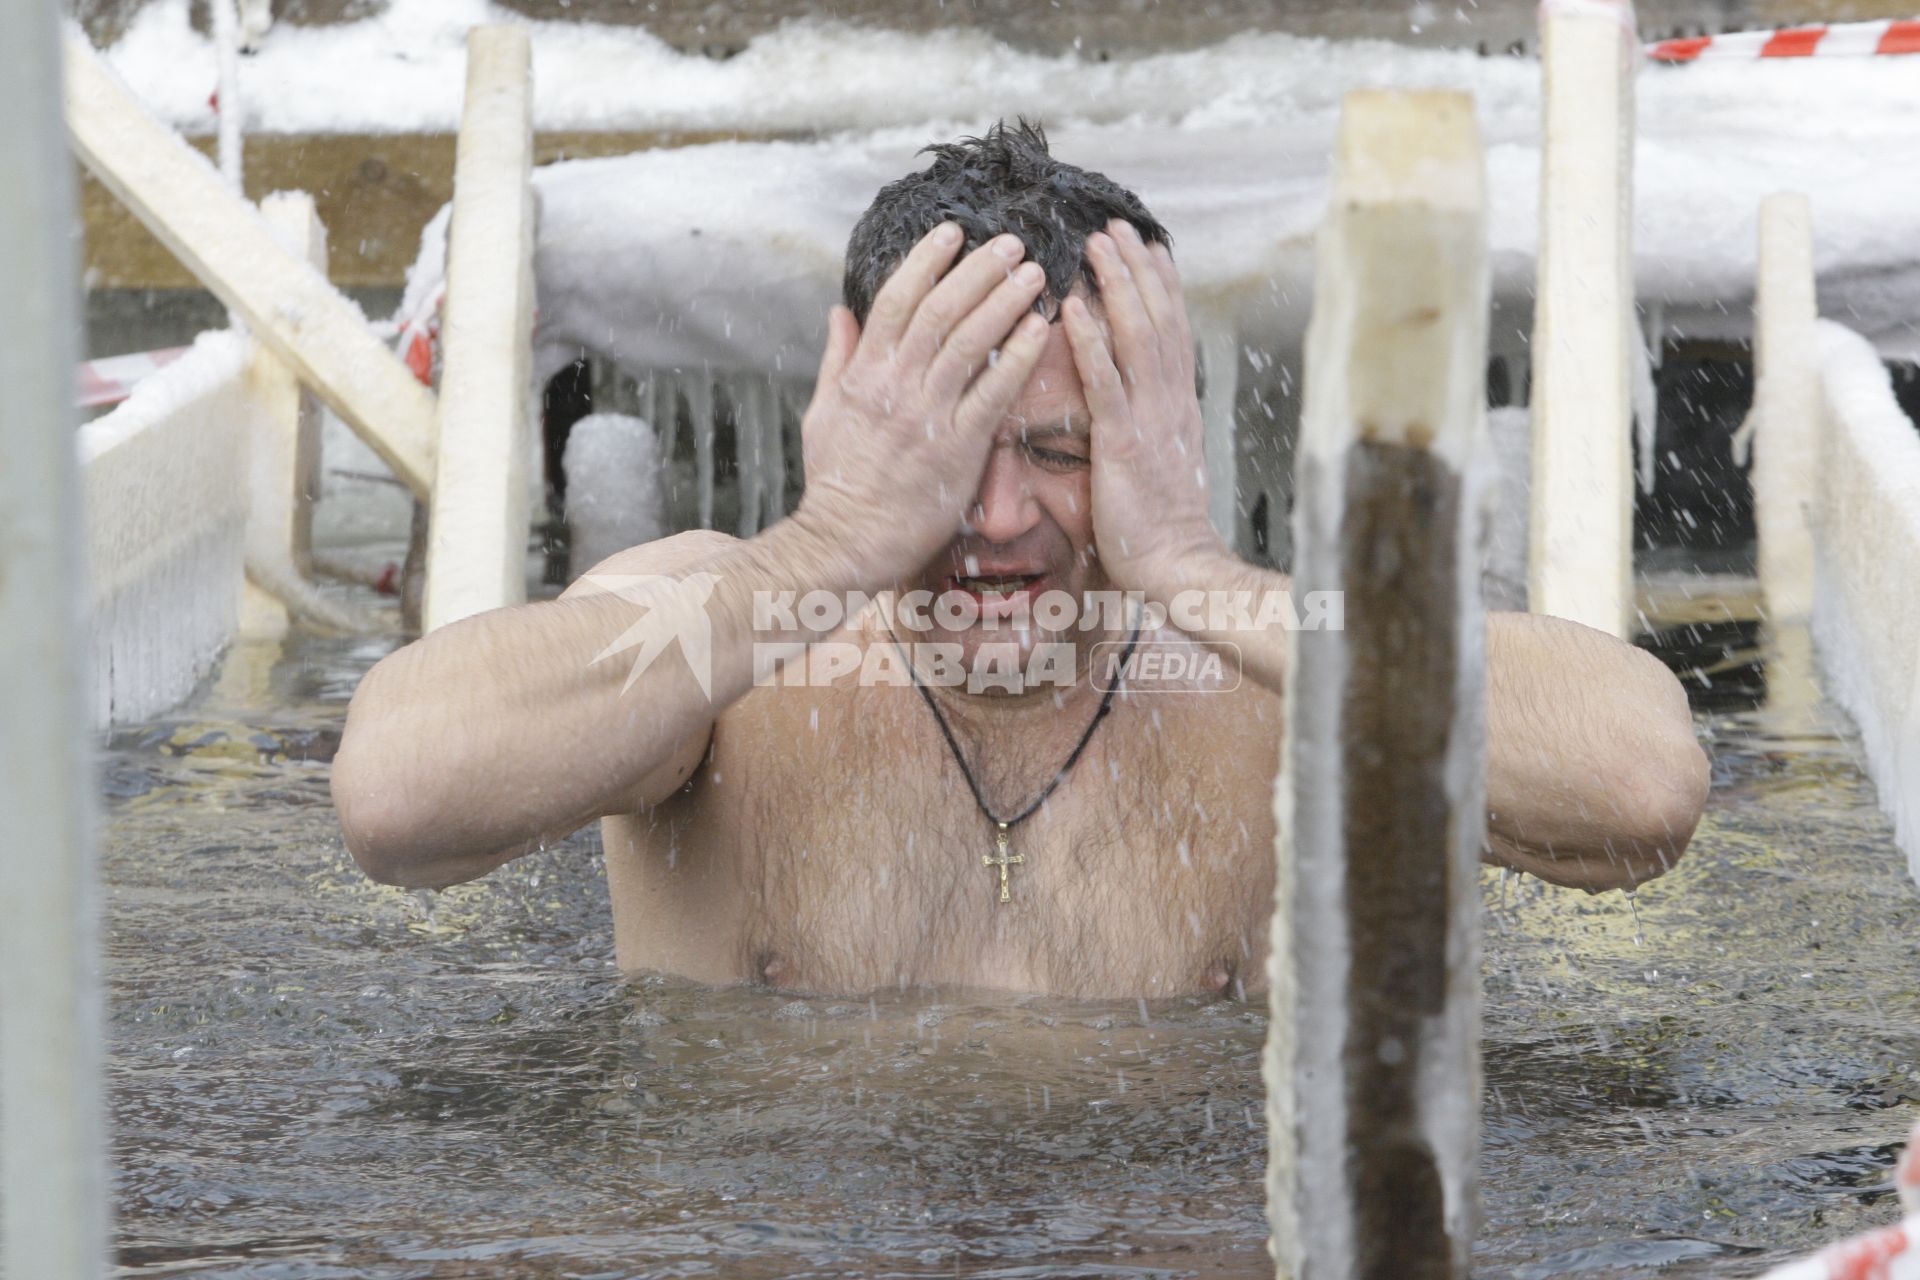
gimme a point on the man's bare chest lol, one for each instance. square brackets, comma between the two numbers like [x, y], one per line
[857, 857]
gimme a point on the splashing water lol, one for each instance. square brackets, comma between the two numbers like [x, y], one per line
[313, 1075]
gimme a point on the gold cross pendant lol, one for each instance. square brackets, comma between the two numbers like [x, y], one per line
[1003, 860]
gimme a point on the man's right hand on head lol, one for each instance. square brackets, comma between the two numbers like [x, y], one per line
[904, 412]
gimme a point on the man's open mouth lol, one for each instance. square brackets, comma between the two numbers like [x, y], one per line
[994, 585]
[997, 594]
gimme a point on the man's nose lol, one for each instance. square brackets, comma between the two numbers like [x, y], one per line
[1005, 507]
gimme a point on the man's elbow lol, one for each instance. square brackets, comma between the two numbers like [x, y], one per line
[375, 832]
[1663, 798]
[393, 841]
[1635, 828]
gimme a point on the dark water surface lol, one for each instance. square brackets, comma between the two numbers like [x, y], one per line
[314, 1076]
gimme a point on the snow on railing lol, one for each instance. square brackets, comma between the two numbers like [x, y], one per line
[111, 379]
[166, 483]
[1866, 527]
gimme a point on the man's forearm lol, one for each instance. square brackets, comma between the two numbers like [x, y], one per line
[505, 730]
[1594, 777]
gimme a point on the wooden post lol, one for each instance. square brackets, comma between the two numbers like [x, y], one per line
[1373, 1063]
[1786, 404]
[1581, 546]
[225, 243]
[53, 1216]
[477, 534]
[284, 448]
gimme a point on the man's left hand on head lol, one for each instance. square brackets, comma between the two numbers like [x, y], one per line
[1149, 461]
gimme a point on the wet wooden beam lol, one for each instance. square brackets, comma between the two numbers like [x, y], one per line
[374, 193]
[284, 454]
[288, 305]
[477, 532]
[1786, 405]
[1373, 1065]
[1581, 544]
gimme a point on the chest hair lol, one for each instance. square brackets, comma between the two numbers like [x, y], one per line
[1148, 871]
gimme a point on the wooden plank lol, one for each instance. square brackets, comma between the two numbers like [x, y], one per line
[1581, 543]
[1786, 404]
[287, 304]
[1674, 599]
[53, 1178]
[373, 192]
[284, 450]
[1373, 1065]
[477, 532]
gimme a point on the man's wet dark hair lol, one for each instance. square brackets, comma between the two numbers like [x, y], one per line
[1006, 181]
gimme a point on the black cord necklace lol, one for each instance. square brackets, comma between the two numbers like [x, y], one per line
[1004, 826]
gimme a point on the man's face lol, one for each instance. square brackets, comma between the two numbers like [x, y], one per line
[1029, 530]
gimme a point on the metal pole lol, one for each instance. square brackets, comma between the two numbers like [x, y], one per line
[53, 1219]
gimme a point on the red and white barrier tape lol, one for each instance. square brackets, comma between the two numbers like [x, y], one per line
[109, 381]
[1891, 1253]
[1840, 39]
[418, 333]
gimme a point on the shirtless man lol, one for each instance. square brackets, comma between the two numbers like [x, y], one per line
[1006, 407]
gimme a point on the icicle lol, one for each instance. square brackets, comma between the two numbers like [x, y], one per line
[663, 412]
[797, 395]
[776, 451]
[1220, 385]
[749, 398]
[1741, 445]
[699, 390]
[1503, 583]
[1646, 408]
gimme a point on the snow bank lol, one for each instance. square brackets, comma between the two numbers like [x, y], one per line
[706, 270]
[1866, 527]
[727, 256]
[1246, 124]
[166, 484]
